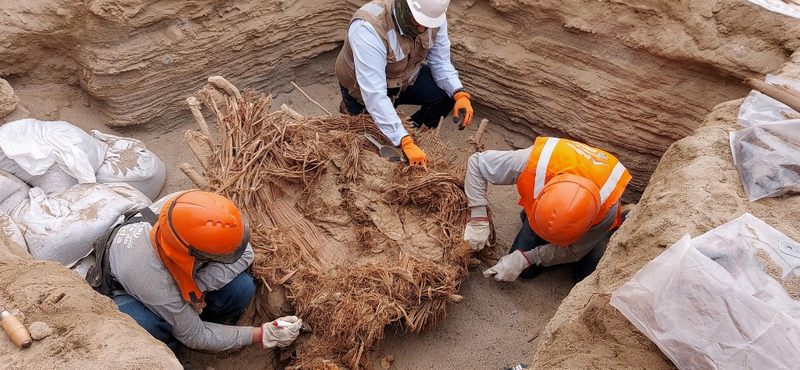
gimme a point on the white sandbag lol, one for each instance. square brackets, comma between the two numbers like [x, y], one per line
[128, 160]
[62, 227]
[12, 191]
[54, 180]
[708, 302]
[36, 145]
[11, 231]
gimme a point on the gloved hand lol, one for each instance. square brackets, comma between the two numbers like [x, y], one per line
[462, 112]
[477, 232]
[281, 332]
[414, 154]
[508, 267]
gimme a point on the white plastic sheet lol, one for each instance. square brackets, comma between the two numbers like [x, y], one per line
[767, 152]
[36, 145]
[767, 157]
[708, 304]
[788, 7]
[759, 108]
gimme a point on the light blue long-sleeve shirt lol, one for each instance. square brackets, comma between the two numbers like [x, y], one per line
[369, 56]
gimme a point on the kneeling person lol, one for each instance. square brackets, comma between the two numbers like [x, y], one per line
[570, 193]
[177, 267]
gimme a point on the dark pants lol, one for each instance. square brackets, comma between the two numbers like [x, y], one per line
[221, 305]
[433, 101]
[527, 240]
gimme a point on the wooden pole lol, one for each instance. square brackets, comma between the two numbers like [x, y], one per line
[782, 93]
[223, 84]
[194, 106]
[292, 113]
[196, 177]
[312, 100]
[481, 131]
[439, 128]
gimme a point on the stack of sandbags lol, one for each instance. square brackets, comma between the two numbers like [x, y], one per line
[62, 188]
[54, 155]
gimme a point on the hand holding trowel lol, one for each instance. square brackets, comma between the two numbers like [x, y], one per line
[390, 153]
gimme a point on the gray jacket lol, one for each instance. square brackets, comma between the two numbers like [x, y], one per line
[135, 264]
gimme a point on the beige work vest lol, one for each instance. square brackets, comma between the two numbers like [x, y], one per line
[404, 54]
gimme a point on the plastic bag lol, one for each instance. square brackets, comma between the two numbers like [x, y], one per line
[62, 227]
[767, 157]
[785, 7]
[36, 145]
[708, 303]
[127, 160]
[759, 108]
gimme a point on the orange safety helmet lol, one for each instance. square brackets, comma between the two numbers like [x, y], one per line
[207, 225]
[565, 209]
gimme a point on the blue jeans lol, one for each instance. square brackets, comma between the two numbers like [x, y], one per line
[221, 305]
[527, 240]
[433, 101]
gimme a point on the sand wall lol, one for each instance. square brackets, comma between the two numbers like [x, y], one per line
[629, 77]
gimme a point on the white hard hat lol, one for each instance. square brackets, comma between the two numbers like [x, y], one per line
[429, 13]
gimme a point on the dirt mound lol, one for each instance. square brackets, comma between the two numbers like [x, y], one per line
[89, 332]
[695, 188]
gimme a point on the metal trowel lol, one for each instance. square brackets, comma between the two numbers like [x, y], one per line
[387, 152]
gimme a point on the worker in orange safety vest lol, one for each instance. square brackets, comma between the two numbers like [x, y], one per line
[570, 193]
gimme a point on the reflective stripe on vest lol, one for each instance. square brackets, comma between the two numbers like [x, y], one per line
[553, 156]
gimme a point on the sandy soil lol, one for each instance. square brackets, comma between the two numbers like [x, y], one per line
[496, 325]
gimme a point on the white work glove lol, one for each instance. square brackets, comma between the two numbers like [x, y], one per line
[508, 267]
[477, 233]
[281, 332]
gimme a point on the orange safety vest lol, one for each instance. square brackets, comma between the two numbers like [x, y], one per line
[553, 156]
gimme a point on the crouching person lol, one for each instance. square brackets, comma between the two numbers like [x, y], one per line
[178, 269]
[570, 194]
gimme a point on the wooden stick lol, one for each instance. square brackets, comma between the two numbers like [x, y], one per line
[439, 128]
[481, 131]
[194, 106]
[201, 147]
[312, 100]
[223, 84]
[782, 93]
[292, 113]
[196, 177]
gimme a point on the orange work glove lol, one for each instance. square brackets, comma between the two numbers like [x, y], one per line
[414, 154]
[462, 112]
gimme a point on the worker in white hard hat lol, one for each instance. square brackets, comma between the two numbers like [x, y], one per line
[381, 66]
[570, 194]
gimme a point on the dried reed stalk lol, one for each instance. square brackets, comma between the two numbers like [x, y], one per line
[268, 163]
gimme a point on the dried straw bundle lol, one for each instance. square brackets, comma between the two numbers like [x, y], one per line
[358, 242]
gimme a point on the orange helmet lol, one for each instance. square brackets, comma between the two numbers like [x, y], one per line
[565, 209]
[208, 225]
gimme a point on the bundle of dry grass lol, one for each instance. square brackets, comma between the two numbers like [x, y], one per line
[354, 242]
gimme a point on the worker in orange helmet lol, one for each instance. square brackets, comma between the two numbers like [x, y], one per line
[398, 52]
[178, 268]
[570, 193]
